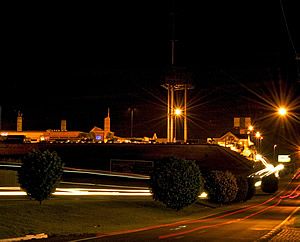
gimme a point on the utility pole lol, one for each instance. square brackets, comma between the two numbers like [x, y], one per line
[131, 123]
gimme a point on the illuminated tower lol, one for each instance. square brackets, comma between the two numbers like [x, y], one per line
[177, 80]
[0, 118]
[19, 121]
[63, 125]
[107, 123]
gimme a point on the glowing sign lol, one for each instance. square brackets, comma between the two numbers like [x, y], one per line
[98, 137]
[284, 158]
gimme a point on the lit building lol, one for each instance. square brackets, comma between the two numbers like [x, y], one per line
[62, 135]
[238, 140]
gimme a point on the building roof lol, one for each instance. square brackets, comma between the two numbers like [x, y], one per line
[96, 129]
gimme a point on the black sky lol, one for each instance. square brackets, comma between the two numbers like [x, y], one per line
[73, 60]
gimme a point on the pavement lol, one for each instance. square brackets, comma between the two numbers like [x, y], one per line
[287, 234]
[286, 231]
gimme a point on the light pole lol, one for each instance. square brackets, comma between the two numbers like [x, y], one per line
[274, 152]
[282, 112]
[131, 120]
[260, 143]
[250, 130]
[257, 135]
[177, 113]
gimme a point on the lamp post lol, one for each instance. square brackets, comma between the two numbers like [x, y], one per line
[131, 120]
[177, 113]
[250, 130]
[282, 112]
[257, 136]
[260, 143]
[274, 152]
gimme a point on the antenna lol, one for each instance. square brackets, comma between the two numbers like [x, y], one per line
[173, 38]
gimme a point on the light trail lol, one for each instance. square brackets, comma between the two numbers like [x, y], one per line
[101, 185]
[98, 173]
[269, 168]
[17, 191]
[122, 191]
[139, 177]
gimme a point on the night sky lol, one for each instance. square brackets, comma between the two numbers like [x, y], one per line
[73, 61]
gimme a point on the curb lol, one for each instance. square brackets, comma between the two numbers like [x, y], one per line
[278, 228]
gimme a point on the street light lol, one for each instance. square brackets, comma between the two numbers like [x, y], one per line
[177, 113]
[257, 136]
[282, 111]
[274, 152]
[260, 143]
[249, 132]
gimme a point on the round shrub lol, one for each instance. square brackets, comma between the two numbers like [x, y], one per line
[175, 182]
[269, 184]
[221, 186]
[242, 192]
[40, 173]
[251, 188]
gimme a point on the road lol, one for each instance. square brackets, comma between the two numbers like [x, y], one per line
[251, 223]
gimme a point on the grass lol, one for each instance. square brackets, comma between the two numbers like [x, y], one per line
[61, 216]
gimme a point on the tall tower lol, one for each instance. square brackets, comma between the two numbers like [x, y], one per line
[63, 125]
[107, 123]
[176, 80]
[19, 121]
[0, 118]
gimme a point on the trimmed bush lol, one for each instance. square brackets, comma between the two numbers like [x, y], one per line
[242, 192]
[221, 186]
[269, 184]
[251, 188]
[175, 182]
[40, 173]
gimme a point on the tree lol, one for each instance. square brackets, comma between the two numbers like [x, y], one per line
[242, 192]
[40, 173]
[221, 186]
[175, 182]
[269, 184]
[251, 188]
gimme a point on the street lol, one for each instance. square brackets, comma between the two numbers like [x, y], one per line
[250, 223]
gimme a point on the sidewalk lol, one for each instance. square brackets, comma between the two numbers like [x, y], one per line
[290, 231]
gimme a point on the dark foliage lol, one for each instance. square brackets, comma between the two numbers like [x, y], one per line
[251, 188]
[40, 174]
[269, 184]
[175, 182]
[242, 192]
[221, 186]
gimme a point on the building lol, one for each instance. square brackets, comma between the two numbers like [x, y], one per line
[238, 140]
[62, 135]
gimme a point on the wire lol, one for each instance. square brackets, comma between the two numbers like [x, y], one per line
[287, 28]
[291, 40]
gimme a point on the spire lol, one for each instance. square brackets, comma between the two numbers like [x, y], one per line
[107, 122]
